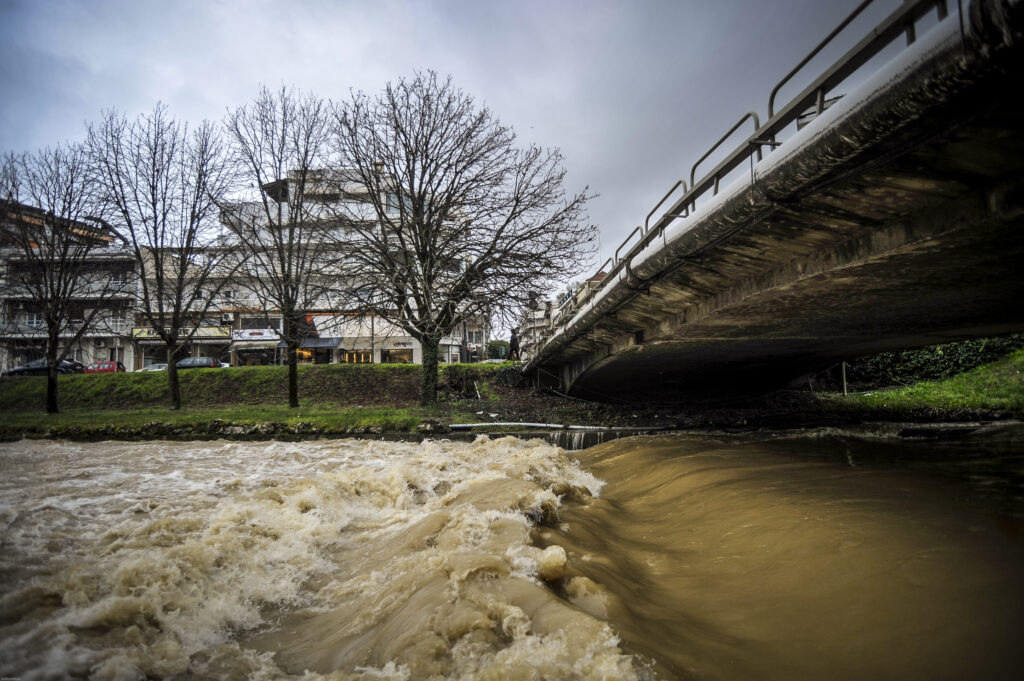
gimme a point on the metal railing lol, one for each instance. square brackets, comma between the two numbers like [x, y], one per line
[86, 290]
[901, 21]
[10, 329]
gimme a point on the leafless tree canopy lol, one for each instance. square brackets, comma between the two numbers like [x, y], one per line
[61, 258]
[415, 205]
[279, 142]
[163, 185]
[464, 222]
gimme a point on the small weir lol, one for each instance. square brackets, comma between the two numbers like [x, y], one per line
[571, 438]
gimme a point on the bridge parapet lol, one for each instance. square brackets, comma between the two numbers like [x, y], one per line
[942, 79]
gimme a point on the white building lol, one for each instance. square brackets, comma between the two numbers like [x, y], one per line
[105, 295]
[332, 332]
[237, 326]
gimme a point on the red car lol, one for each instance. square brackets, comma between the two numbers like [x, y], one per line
[104, 367]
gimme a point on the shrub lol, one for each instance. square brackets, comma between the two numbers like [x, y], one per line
[904, 367]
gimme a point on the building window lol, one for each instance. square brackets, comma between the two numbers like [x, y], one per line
[261, 323]
[396, 356]
[391, 204]
[358, 357]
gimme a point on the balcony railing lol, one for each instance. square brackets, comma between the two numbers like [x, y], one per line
[38, 330]
[119, 289]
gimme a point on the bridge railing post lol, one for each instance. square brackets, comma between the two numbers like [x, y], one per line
[726, 165]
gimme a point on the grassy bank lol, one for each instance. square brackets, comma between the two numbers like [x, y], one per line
[335, 400]
[340, 400]
[998, 386]
[388, 385]
[226, 421]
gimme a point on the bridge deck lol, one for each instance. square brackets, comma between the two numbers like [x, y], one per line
[893, 220]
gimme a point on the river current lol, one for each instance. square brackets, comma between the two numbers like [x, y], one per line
[808, 556]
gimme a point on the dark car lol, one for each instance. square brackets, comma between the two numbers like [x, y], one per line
[198, 363]
[37, 367]
[73, 366]
[105, 368]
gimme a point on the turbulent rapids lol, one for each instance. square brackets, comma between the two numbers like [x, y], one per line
[363, 560]
[648, 558]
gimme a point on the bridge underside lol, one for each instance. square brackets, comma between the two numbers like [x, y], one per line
[906, 297]
[916, 239]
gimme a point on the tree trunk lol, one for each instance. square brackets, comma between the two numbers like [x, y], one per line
[293, 376]
[51, 368]
[172, 379]
[51, 387]
[428, 381]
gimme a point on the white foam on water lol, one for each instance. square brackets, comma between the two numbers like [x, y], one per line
[334, 560]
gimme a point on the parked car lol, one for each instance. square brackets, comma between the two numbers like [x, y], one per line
[155, 367]
[37, 367]
[104, 368]
[198, 363]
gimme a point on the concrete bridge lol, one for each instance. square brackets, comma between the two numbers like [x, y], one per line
[893, 219]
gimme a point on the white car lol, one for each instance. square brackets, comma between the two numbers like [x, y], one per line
[155, 367]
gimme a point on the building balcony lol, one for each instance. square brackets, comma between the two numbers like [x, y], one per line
[22, 330]
[118, 290]
[101, 328]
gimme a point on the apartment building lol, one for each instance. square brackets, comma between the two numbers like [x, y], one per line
[540, 322]
[331, 331]
[101, 298]
[232, 321]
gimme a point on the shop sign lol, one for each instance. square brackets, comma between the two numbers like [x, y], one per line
[255, 335]
[144, 332]
[394, 343]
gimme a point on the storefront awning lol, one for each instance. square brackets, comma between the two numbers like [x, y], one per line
[253, 344]
[313, 343]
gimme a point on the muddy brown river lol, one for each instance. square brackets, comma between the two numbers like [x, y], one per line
[786, 556]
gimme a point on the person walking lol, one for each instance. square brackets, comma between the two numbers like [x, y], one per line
[513, 347]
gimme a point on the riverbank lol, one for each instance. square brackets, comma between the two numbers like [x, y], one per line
[381, 401]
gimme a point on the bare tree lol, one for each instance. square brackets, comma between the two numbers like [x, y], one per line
[465, 222]
[280, 144]
[62, 262]
[164, 184]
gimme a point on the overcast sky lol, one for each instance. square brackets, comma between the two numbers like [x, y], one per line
[633, 92]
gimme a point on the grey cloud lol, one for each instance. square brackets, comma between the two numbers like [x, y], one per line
[632, 92]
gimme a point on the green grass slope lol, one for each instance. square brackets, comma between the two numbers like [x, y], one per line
[346, 384]
[995, 386]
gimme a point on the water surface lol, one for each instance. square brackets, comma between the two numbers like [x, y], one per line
[670, 557]
[810, 557]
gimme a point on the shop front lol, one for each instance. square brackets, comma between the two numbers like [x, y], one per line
[324, 350]
[357, 356]
[254, 347]
[313, 351]
[398, 351]
[206, 341]
[448, 351]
